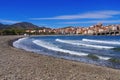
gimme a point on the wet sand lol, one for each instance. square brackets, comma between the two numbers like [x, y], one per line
[17, 64]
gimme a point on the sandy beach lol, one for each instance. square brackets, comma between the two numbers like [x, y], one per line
[17, 64]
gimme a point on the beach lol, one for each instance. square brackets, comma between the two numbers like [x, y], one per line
[17, 64]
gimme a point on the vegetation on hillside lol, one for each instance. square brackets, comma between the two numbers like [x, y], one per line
[19, 29]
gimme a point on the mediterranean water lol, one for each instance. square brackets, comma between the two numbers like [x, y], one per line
[97, 50]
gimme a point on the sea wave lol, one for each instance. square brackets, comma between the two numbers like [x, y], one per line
[55, 48]
[101, 41]
[17, 42]
[104, 58]
[82, 44]
[49, 46]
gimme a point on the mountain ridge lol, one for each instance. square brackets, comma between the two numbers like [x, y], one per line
[21, 25]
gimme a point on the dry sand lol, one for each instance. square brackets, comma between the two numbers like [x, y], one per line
[16, 64]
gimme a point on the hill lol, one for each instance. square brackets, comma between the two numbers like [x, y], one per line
[2, 26]
[21, 25]
[18, 28]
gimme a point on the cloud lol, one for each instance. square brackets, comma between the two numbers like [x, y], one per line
[93, 21]
[8, 21]
[88, 15]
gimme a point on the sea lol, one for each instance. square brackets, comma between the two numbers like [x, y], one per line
[97, 50]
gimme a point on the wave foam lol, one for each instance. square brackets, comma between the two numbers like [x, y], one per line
[55, 48]
[104, 58]
[101, 41]
[86, 45]
[17, 42]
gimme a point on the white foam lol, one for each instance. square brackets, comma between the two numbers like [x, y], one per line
[101, 41]
[17, 42]
[86, 45]
[104, 58]
[55, 48]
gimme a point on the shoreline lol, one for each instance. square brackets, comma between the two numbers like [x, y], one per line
[109, 59]
[10, 42]
[21, 65]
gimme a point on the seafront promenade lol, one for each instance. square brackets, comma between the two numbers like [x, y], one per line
[116, 32]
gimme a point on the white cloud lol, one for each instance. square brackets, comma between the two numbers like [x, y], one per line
[88, 15]
[93, 21]
[8, 21]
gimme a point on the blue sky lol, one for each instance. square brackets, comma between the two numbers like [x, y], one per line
[60, 13]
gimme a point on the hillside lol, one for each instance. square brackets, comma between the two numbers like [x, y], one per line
[2, 26]
[21, 25]
[24, 25]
